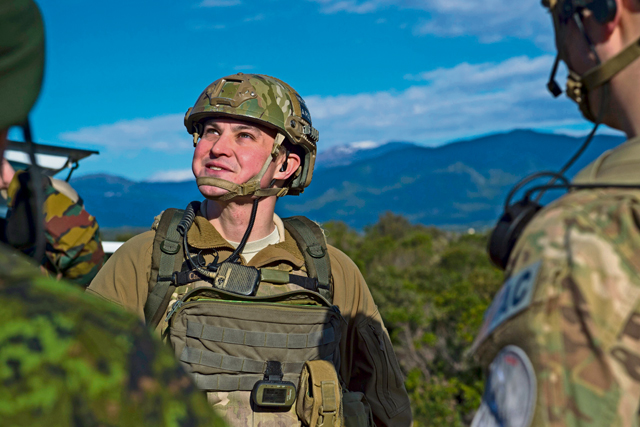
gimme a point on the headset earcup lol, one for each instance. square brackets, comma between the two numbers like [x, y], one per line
[508, 229]
[603, 10]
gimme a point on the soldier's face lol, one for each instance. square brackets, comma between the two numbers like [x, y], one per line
[233, 150]
[573, 47]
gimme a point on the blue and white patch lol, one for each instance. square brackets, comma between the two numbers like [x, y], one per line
[514, 296]
[510, 391]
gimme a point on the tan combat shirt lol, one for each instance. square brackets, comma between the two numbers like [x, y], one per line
[368, 363]
[571, 302]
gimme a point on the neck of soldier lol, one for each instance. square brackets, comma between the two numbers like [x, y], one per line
[231, 218]
[623, 109]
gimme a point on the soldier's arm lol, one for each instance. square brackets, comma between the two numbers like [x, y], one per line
[369, 361]
[124, 279]
[580, 329]
[74, 249]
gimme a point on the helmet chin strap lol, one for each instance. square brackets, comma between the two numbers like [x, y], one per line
[252, 186]
[579, 86]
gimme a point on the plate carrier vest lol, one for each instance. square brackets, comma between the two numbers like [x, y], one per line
[230, 342]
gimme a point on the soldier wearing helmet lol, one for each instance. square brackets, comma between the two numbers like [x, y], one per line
[561, 341]
[276, 326]
[67, 358]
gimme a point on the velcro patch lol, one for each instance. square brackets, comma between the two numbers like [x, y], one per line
[514, 296]
[510, 391]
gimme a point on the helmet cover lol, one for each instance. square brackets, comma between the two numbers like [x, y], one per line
[266, 101]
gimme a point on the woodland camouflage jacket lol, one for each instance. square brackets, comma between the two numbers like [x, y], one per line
[67, 358]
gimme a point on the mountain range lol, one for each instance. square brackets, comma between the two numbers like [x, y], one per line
[457, 185]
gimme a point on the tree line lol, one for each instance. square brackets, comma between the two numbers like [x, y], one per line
[432, 288]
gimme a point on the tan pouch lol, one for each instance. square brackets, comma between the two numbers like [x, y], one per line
[356, 410]
[319, 401]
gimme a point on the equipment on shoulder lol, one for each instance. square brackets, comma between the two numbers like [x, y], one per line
[266, 101]
[517, 215]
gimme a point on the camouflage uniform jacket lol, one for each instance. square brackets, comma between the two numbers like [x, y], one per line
[67, 358]
[368, 363]
[74, 249]
[578, 318]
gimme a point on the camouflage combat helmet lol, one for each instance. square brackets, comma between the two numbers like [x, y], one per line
[267, 101]
[21, 60]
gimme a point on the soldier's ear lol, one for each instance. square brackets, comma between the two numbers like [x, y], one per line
[287, 165]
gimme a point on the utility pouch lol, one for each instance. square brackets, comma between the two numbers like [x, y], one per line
[319, 395]
[356, 410]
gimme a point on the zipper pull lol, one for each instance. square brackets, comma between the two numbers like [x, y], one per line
[375, 332]
[176, 305]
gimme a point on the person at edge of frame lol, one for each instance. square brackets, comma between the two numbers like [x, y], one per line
[68, 358]
[74, 247]
[254, 142]
[560, 343]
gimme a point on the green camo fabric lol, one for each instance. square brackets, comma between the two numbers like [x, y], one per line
[69, 359]
[21, 59]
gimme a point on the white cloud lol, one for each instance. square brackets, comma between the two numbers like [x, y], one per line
[489, 20]
[444, 104]
[179, 175]
[258, 17]
[164, 133]
[219, 3]
[243, 67]
[463, 101]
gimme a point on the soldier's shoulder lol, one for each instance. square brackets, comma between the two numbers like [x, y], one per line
[97, 363]
[606, 215]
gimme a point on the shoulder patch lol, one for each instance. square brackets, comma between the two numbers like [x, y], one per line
[514, 296]
[510, 391]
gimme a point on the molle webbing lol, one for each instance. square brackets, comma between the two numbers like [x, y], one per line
[267, 275]
[222, 382]
[311, 242]
[166, 258]
[233, 363]
[259, 339]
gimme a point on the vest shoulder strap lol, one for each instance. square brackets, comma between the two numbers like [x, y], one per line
[313, 245]
[166, 258]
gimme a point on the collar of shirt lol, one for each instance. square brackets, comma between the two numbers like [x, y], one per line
[618, 166]
[203, 235]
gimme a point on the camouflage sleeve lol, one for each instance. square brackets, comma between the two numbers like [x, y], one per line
[571, 307]
[74, 249]
[67, 358]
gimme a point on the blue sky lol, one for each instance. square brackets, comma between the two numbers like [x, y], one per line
[121, 74]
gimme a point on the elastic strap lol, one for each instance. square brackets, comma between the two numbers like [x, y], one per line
[604, 72]
[311, 242]
[170, 252]
[251, 187]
